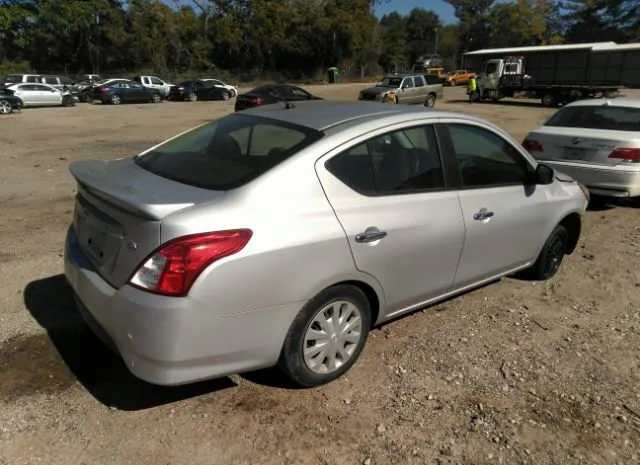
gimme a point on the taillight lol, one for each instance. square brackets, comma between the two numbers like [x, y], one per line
[180, 89]
[532, 145]
[173, 268]
[256, 100]
[632, 155]
[103, 90]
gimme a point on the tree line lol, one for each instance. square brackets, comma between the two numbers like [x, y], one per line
[295, 38]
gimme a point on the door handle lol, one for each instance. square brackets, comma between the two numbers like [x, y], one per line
[370, 235]
[482, 215]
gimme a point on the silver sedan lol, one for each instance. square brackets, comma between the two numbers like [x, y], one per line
[42, 95]
[282, 234]
[597, 142]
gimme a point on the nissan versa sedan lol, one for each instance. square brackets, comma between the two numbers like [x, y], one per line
[597, 142]
[280, 235]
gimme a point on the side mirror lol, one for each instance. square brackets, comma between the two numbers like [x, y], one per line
[543, 175]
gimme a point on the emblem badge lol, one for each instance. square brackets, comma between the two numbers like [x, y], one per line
[575, 140]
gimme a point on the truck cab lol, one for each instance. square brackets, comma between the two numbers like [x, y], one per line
[154, 83]
[495, 69]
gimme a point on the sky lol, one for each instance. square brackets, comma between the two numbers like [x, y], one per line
[444, 10]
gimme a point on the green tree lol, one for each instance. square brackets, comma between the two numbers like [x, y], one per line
[421, 29]
[393, 45]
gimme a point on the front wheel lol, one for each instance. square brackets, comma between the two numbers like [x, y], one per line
[85, 96]
[225, 95]
[156, 98]
[430, 101]
[68, 101]
[551, 256]
[327, 336]
[550, 100]
[115, 99]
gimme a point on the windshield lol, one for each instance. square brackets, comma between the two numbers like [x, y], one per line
[12, 78]
[490, 68]
[227, 153]
[390, 82]
[612, 118]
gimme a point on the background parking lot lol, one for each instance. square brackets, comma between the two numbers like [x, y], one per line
[515, 373]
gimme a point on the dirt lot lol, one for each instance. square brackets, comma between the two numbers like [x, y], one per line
[514, 373]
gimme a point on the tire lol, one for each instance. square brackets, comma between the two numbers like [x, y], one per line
[225, 95]
[611, 93]
[5, 107]
[156, 98]
[309, 370]
[68, 101]
[192, 97]
[452, 83]
[430, 102]
[233, 93]
[549, 100]
[85, 96]
[551, 255]
[115, 99]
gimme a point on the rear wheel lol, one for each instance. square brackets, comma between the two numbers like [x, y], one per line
[115, 99]
[327, 336]
[85, 96]
[551, 256]
[192, 97]
[5, 107]
[430, 101]
[452, 83]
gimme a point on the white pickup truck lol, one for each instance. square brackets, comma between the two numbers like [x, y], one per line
[155, 83]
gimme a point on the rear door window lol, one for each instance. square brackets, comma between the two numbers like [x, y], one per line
[229, 152]
[611, 118]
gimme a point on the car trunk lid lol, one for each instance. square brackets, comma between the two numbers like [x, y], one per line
[579, 145]
[119, 212]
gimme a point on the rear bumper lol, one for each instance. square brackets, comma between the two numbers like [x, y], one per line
[614, 181]
[171, 341]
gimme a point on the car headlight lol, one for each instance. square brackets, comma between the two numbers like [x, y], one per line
[585, 191]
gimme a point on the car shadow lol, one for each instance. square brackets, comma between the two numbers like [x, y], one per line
[598, 204]
[96, 367]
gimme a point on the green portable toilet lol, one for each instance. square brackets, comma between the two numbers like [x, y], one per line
[334, 75]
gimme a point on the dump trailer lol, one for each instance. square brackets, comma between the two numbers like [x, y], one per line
[556, 74]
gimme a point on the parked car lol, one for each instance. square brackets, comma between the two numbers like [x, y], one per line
[8, 101]
[59, 82]
[154, 83]
[198, 89]
[233, 90]
[458, 77]
[596, 142]
[84, 87]
[119, 91]
[282, 234]
[42, 95]
[272, 93]
[10, 79]
[408, 88]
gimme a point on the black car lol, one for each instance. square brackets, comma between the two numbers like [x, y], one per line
[9, 102]
[124, 91]
[272, 93]
[197, 90]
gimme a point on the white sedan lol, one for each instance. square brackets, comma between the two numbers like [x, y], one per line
[233, 90]
[42, 95]
[596, 142]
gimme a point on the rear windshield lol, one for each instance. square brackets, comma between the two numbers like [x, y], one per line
[227, 153]
[613, 118]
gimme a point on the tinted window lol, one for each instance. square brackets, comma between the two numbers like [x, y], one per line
[156, 81]
[12, 79]
[419, 81]
[401, 161]
[227, 153]
[597, 117]
[407, 83]
[32, 79]
[491, 68]
[486, 159]
[432, 79]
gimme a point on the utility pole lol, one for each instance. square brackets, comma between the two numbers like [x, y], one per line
[436, 48]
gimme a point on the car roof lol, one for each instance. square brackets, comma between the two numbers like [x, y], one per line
[616, 102]
[324, 114]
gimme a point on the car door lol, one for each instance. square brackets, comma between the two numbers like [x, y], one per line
[404, 227]
[407, 93]
[505, 216]
[48, 95]
[138, 92]
[420, 90]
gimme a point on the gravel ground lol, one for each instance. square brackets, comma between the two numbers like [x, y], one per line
[513, 373]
